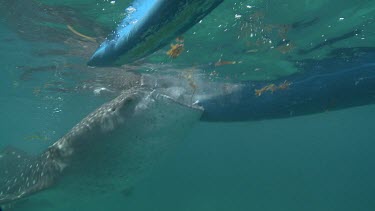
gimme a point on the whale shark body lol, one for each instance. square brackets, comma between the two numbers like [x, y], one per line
[105, 151]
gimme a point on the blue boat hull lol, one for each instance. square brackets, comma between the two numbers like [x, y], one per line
[150, 25]
[326, 85]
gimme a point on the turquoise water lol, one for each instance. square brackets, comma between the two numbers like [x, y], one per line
[316, 162]
[319, 162]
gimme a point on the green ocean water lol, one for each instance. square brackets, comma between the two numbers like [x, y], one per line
[248, 33]
[317, 162]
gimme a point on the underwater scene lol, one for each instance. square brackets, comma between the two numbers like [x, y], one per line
[191, 105]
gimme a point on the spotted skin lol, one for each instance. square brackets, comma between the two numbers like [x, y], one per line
[22, 175]
[118, 136]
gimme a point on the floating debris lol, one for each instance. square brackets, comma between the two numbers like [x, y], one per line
[272, 88]
[221, 62]
[285, 48]
[175, 50]
[80, 34]
[37, 137]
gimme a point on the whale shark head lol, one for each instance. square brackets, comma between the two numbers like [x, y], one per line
[114, 113]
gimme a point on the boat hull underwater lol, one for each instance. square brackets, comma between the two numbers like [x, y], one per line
[150, 25]
[327, 85]
[320, 86]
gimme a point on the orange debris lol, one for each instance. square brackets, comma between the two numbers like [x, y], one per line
[272, 88]
[175, 50]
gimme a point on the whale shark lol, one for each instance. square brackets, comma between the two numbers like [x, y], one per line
[106, 151]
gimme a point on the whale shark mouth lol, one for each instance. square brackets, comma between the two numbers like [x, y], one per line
[99, 160]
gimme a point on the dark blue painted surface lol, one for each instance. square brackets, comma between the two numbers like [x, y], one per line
[325, 85]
